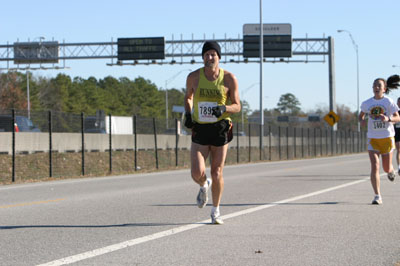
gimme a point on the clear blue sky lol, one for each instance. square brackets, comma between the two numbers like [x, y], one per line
[373, 24]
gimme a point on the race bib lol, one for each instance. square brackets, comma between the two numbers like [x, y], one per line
[378, 125]
[205, 111]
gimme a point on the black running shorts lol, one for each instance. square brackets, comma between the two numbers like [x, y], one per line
[397, 135]
[215, 134]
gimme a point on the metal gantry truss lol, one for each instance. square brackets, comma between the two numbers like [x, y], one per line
[304, 50]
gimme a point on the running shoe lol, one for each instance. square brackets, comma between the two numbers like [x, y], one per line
[391, 176]
[202, 197]
[216, 219]
[377, 200]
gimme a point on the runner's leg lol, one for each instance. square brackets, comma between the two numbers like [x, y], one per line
[398, 154]
[198, 156]
[387, 162]
[375, 179]
[218, 155]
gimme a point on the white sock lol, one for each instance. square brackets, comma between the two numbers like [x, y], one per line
[215, 210]
[205, 185]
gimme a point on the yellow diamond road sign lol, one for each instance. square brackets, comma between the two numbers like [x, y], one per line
[332, 118]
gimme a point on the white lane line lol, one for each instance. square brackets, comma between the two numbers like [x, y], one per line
[136, 241]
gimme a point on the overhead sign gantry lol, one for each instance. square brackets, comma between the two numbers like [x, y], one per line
[27, 55]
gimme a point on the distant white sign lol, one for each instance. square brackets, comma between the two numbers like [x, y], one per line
[120, 125]
[268, 29]
[178, 109]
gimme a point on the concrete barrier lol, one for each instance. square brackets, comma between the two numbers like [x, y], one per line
[32, 142]
[28, 142]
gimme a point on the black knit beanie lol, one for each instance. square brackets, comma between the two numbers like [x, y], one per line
[211, 45]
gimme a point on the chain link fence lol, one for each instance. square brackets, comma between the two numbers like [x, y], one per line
[45, 145]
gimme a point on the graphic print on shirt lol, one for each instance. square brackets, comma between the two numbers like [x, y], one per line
[210, 93]
[374, 113]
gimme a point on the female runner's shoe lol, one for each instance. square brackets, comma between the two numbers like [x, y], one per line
[377, 200]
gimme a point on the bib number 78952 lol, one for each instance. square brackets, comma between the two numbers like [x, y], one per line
[205, 111]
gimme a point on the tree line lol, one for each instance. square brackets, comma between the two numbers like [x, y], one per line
[75, 95]
[123, 97]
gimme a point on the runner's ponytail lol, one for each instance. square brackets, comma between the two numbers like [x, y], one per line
[393, 82]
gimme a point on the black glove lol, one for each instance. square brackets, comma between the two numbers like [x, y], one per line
[218, 110]
[188, 120]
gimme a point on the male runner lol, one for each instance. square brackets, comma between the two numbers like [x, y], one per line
[211, 96]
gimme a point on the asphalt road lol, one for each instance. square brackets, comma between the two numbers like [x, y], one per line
[301, 212]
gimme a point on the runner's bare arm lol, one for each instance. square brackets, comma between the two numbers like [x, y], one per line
[190, 87]
[233, 91]
[395, 117]
[361, 118]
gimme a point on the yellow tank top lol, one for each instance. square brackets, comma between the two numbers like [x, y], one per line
[208, 95]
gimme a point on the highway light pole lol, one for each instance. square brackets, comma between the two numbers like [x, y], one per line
[27, 93]
[358, 77]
